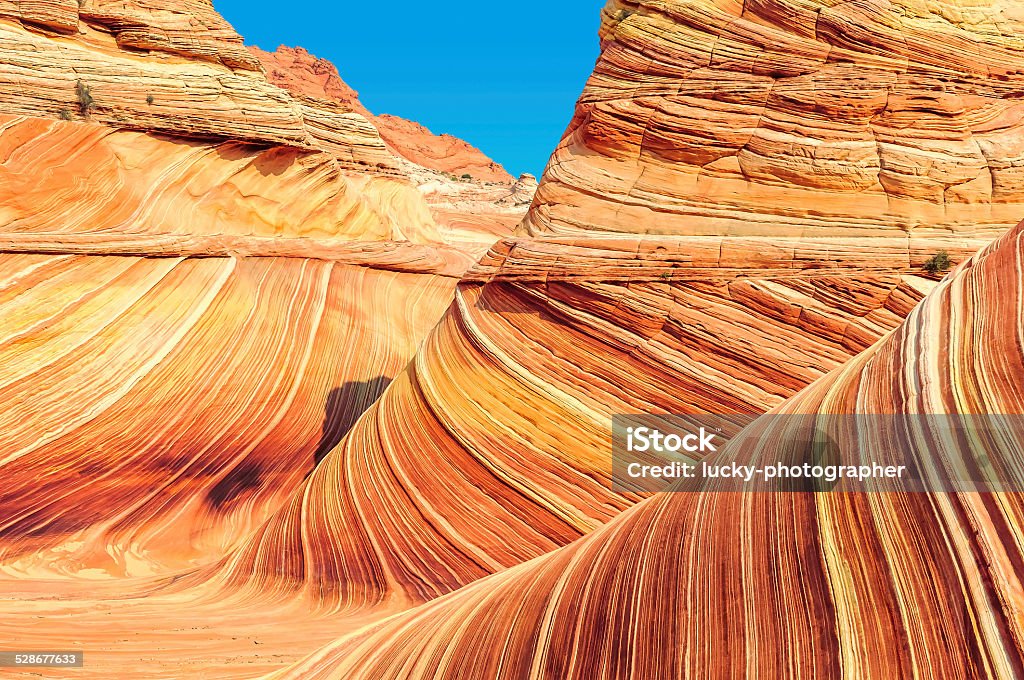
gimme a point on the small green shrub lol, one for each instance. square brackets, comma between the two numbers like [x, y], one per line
[85, 101]
[939, 263]
[150, 99]
[467, 176]
[64, 114]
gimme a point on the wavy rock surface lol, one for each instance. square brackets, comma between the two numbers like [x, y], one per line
[473, 211]
[188, 28]
[444, 152]
[65, 178]
[178, 69]
[296, 70]
[448, 501]
[805, 585]
[795, 118]
[101, 353]
[491, 448]
[274, 284]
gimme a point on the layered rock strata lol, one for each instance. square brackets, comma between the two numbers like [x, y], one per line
[159, 408]
[785, 118]
[809, 585]
[228, 273]
[63, 178]
[459, 522]
[491, 448]
[473, 199]
[89, 78]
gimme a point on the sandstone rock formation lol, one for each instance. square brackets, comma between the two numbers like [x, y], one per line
[181, 397]
[491, 448]
[87, 78]
[472, 198]
[189, 28]
[128, 182]
[795, 118]
[807, 585]
[230, 274]
[611, 314]
[438, 152]
[299, 72]
[152, 273]
[201, 432]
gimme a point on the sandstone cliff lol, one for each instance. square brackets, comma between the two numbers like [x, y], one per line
[179, 71]
[776, 117]
[189, 28]
[553, 333]
[491, 448]
[471, 197]
[229, 274]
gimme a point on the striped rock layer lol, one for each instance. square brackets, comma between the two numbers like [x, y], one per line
[203, 282]
[64, 178]
[90, 75]
[472, 198]
[795, 117]
[188, 28]
[491, 448]
[159, 409]
[769, 585]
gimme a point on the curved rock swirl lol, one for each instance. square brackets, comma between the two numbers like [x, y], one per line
[157, 410]
[772, 585]
[794, 117]
[492, 447]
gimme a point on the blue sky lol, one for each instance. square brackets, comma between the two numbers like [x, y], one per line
[503, 76]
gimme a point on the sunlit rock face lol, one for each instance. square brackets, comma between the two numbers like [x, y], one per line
[866, 585]
[89, 76]
[181, 399]
[299, 72]
[780, 117]
[492, 448]
[188, 28]
[64, 178]
[261, 399]
[187, 329]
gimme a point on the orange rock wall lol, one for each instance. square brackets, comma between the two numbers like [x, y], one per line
[808, 585]
[794, 118]
[491, 448]
[61, 178]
